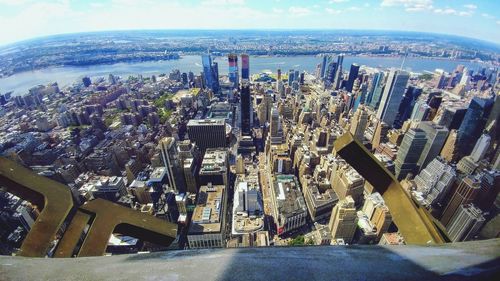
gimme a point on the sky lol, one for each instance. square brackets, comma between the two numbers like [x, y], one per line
[25, 19]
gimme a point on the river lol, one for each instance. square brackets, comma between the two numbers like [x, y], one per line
[21, 82]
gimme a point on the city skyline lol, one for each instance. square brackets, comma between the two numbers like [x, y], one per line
[31, 19]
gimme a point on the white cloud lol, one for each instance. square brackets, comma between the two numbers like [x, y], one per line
[222, 2]
[450, 11]
[337, 1]
[299, 11]
[333, 11]
[447, 11]
[498, 21]
[488, 16]
[409, 5]
[470, 6]
[465, 13]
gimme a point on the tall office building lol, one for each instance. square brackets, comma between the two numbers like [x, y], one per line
[246, 112]
[214, 168]
[378, 213]
[346, 181]
[245, 67]
[409, 152]
[343, 220]
[353, 75]
[324, 64]
[210, 72]
[450, 148]
[233, 70]
[359, 122]
[436, 136]
[380, 134]
[381, 219]
[435, 181]
[338, 73]
[473, 124]
[291, 77]
[407, 105]
[490, 187]
[276, 132]
[207, 133]
[481, 148]
[375, 91]
[392, 96]
[465, 223]
[466, 192]
[331, 69]
[171, 162]
[493, 122]
[421, 111]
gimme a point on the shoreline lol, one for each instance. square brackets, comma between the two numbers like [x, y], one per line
[55, 66]
[65, 75]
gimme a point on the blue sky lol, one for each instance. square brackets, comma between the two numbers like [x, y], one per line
[23, 19]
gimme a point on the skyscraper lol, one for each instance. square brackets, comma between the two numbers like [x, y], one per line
[407, 104]
[276, 133]
[170, 159]
[375, 91]
[465, 223]
[467, 190]
[409, 152]
[353, 75]
[490, 187]
[473, 124]
[324, 64]
[392, 96]
[245, 67]
[338, 72]
[421, 110]
[291, 77]
[233, 69]
[436, 136]
[435, 181]
[380, 134]
[450, 148]
[331, 70]
[481, 147]
[245, 108]
[343, 220]
[210, 72]
[358, 124]
[207, 133]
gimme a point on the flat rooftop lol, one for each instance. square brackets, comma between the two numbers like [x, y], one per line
[204, 122]
[209, 211]
[288, 196]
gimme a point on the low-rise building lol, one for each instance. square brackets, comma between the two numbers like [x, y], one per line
[290, 209]
[207, 229]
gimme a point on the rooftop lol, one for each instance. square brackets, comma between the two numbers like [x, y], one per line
[207, 213]
[288, 196]
[203, 122]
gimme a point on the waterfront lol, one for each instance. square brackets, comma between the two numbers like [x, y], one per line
[21, 82]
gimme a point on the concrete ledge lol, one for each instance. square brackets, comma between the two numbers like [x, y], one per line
[479, 260]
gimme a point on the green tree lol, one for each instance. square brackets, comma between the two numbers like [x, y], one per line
[299, 240]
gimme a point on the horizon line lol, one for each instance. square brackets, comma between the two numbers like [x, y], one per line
[494, 44]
